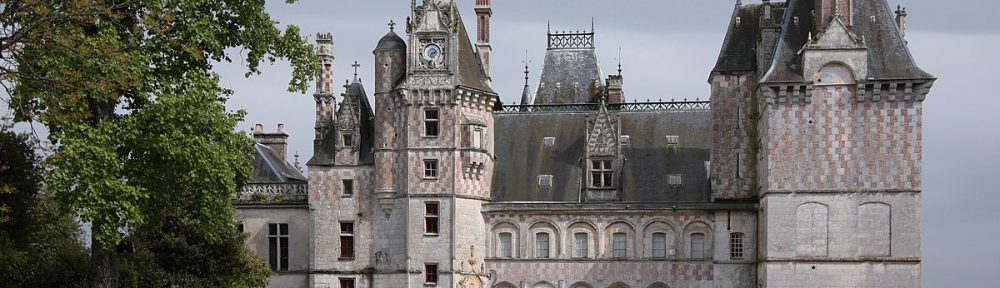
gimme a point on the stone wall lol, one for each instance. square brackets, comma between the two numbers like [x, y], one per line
[255, 220]
[731, 175]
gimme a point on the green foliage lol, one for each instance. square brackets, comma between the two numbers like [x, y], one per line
[39, 244]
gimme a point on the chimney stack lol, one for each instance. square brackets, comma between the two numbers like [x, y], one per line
[277, 141]
[827, 9]
[484, 11]
[901, 19]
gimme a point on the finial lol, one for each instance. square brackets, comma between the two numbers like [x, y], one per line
[619, 60]
[355, 65]
[297, 165]
[739, 2]
[525, 67]
[392, 25]
[548, 27]
[591, 24]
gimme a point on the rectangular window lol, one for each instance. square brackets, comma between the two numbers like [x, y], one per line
[430, 169]
[601, 174]
[430, 273]
[673, 139]
[477, 138]
[619, 245]
[580, 245]
[431, 218]
[431, 119]
[674, 180]
[348, 139]
[346, 282]
[239, 227]
[346, 240]
[277, 239]
[697, 246]
[659, 245]
[545, 181]
[505, 245]
[542, 245]
[736, 246]
[348, 187]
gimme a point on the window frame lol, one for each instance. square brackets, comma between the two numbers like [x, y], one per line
[619, 245]
[347, 188]
[430, 122]
[435, 170]
[347, 139]
[654, 248]
[347, 252]
[701, 251]
[539, 246]
[432, 218]
[430, 273]
[602, 173]
[578, 248]
[506, 248]
[347, 282]
[278, 238]
[737, 246]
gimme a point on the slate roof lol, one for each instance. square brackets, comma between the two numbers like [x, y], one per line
[888, 56]
[569, 76]
[391, 41]
[328, 147]
[471, 73]
[522, 157]
[268, 167]
[739, 47]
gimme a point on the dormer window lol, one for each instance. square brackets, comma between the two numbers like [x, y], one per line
[623, 140]
[674, 180]
[348, 139]
[545, 181]
[549, 141]
[601, 174]
[673, 139]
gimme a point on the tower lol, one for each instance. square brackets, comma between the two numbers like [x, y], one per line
[325, 100]
[433, 152]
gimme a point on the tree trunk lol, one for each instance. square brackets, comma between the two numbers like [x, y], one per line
[103, 263]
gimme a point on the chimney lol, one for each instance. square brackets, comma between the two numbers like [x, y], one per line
[276, 141]
[615, 94]
[901, 19]
[484, 11]
[827, 9]
[769, 33]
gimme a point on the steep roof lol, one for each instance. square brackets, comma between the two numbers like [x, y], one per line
[888, 56]
[471, 72]
[522, 157]
[366, 116]
[569, 76]
[739, 47]
[268, 167]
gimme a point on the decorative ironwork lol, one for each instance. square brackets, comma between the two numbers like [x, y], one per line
[571, 40]
[591, 107]
[273, 193]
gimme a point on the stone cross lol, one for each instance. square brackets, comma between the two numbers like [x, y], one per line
[355, 65]
[392, 25]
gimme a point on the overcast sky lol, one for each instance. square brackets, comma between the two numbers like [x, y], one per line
[668, 49]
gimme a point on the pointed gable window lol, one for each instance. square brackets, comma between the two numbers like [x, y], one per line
[601, 174]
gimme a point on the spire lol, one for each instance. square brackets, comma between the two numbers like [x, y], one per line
[526, 98]
[619, 60]
[355, 65]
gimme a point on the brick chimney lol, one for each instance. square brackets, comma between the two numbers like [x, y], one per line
[826, 9]
[615, 94]
[277, 141]
[484, 11]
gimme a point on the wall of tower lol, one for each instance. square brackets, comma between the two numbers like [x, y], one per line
[330, 207]
[731, 159]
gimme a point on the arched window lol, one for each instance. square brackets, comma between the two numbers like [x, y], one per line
[697, 246]
[659, 245]
[580, 245]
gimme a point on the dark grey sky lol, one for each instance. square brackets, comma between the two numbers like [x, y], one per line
[669, 48]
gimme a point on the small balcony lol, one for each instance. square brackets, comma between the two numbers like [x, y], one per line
[273, 193]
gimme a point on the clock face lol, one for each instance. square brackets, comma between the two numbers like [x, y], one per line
[432, 52]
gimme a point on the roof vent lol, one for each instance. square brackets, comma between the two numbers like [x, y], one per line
[673, 139]
[674, 180]
[545, 181]
[623, 139]
[549, 141]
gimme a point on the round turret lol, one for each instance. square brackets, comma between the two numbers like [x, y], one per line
[390, 61]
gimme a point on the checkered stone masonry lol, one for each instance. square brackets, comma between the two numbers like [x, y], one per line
[837, 143]
[730, 174]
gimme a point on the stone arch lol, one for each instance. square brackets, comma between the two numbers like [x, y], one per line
[659, 225]
[582, 226]
[619, 285]
[658, 285]
[874, 229]
[543, 226]
[691, 238]
[504, 284]
[543, 284]
[811, 229]
[834, 73]
[619, 226]
[581, 284]
[496, 231]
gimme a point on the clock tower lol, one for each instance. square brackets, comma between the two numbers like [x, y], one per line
[434, 152]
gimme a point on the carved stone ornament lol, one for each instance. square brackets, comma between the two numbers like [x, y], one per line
[602, 134]
[433, 53]
[471, 281]
[425, 81]
[347, 118]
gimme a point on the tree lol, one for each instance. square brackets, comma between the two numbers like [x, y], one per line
[39, 241]
[112, 79]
